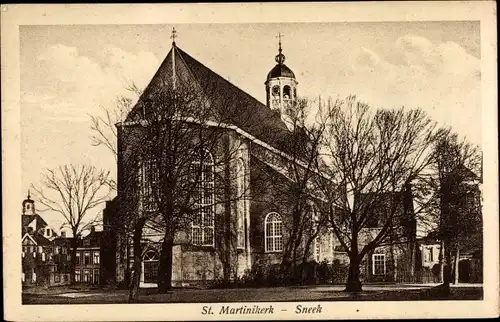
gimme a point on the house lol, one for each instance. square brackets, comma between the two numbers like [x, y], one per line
[39, 267]
[248, 231]
[88, 258]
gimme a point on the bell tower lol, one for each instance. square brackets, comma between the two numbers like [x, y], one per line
[281, 86]
[28, 206]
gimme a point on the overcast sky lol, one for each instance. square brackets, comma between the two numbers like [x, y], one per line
[67, 72]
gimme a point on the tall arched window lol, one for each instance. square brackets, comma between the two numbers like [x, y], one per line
[273, 232]
[241, 202]
[202, 172]
[148, 182]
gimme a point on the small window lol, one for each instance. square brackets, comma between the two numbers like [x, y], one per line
[431, 257]
[28, 206]
[273, 233]
[77, 258]
[86, 258]
[77, 275]
[317, 249]
[378, 264]
[96, 257]
[86, 276]
[96, 276]
[276, 91]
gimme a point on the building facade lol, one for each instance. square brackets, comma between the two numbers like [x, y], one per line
[231, 238]
[46, 254]
[40, 262]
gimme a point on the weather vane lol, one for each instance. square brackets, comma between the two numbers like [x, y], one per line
[174, 35]
[279, 38]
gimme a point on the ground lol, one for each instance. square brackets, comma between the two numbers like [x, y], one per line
[394, 292]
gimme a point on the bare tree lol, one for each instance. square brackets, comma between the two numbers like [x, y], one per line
[182, 152]
[372, 158]
[104, 126]
[105, 133]
[458, 165]
[293, 186]
[73, 192]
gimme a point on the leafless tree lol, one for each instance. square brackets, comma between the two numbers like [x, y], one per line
[372, 157]
[458, 201]
[182, 152]
[103, 126]
[293, 186]
[105, 133]
[73, 192]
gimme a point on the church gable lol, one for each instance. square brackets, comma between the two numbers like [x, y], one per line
[233, 105]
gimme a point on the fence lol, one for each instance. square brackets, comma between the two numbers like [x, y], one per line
[423, 276]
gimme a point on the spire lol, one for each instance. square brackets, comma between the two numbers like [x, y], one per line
[174, 35]
[29, 196]
[280, 58]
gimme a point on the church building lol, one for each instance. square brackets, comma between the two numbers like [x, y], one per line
[244, 232]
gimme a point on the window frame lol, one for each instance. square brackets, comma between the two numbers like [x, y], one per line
[205, 210]
[276, 224]
[241, 209]
[86, 255]
[374, 261]
[149, 178]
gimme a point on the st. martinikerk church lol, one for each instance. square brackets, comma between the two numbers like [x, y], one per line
[257, 224]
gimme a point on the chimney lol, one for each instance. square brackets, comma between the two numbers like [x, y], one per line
[63, 233]
[92, 229]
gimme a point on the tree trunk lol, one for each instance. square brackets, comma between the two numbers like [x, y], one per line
[72, 266]
[165, 265]
[457, 260]
[441, 263]
[353, 277]
[136, 278]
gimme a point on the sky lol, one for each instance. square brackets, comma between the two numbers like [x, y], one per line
[69, 71]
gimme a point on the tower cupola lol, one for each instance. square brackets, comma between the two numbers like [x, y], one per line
[28, 206]
[281, 86]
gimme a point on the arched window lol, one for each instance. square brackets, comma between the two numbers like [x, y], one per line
[273, 232]
[150, 255]
[276, 91]
[287, 93]
[241, 202]
[202, 174]
[148, 184]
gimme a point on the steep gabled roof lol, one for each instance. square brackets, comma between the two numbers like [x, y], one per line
[38, 239]
[27, 219]
[247, 112]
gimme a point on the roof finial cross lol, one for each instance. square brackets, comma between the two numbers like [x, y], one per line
[174, 35]
[279, 40]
